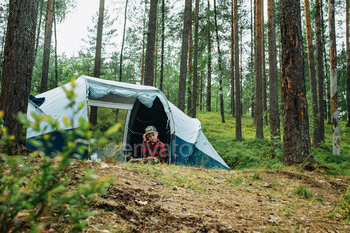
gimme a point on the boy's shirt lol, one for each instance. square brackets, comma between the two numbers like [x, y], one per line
[157, 150]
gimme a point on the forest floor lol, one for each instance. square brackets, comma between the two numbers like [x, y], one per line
[163, 198]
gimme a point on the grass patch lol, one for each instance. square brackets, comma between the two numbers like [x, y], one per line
[303, 192]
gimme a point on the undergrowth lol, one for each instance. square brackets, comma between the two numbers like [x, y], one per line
[36, 190]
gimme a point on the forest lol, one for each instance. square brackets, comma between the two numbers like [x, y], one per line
[269, 80]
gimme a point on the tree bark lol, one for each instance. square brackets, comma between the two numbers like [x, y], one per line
[195, 62]
[258, 71]
[252, 48]
[319, 65]
[149, 64]
[333, 77]
[296, 139]
[39, 28]
[47, 45]
[208, 102]
[237, 78]
[348, 59]
[56, 61]
[123, 40]
[327, 94]
[184, 51]
[97, 67]
[312, 73]
[232, 64]
[264, 81]
[143, 47]
[220, 69]
[190, 72]
[18, 65]
[162, 51]
[274, 106]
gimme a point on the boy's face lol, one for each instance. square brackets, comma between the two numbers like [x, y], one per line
[153, 137]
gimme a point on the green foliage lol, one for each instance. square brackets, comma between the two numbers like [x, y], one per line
[345, 204]
[36, 187]
[303, 192]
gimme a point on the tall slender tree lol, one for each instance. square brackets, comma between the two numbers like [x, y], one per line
[252, 48]
[348, 59]
[209, 87]
[333, 77]
[195, 61]
[47, 45]
[296, 139]
[319, 64]
[143, 45]
[190, 71]
[237, 78]
[312, 73]
[97, 66]
[151, 36]
[18, 65]
[274, 108]
[162, 51]
[264, 78]
[184, 52]
[220, 68]
[232, 63]
[39, 27]
[123, 40]
[258, 71]
[56, 55]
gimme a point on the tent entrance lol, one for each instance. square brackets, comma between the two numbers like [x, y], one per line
[141, 117]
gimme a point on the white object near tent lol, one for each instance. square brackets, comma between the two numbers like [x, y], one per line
[146, 105]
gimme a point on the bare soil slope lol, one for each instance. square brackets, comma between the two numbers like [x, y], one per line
[162, 198]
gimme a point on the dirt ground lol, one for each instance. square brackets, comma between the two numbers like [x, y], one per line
[162, 198]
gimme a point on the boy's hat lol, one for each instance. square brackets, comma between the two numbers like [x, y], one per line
[150, 129]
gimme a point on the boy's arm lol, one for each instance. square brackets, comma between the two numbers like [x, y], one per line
[144, 149]
[162, 152]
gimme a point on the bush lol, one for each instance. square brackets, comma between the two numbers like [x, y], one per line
[35, 188]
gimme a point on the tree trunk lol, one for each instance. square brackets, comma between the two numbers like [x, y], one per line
[184, 52]
[274, 108]
[220, 69]
[333, 77]
[148, 80]
[97, 67]
[296, 139]
[190, 72]
[47, 45]
[258, 71]
[201, 93]
[123, 40]
[237, 78]
[162, 51]
[18, 65]
[209, 87]
[232, 65]
[310, 51]
[319, 64]
[39, 28]
[348, 60]
[155, 60]
[56, 62]
[143, 47]
[195, 62]
[327, 96]
[252, 59]
[264, 81]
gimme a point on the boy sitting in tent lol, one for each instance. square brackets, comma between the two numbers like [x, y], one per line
[152, 150]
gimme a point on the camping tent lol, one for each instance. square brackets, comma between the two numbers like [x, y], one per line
[146, 105]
